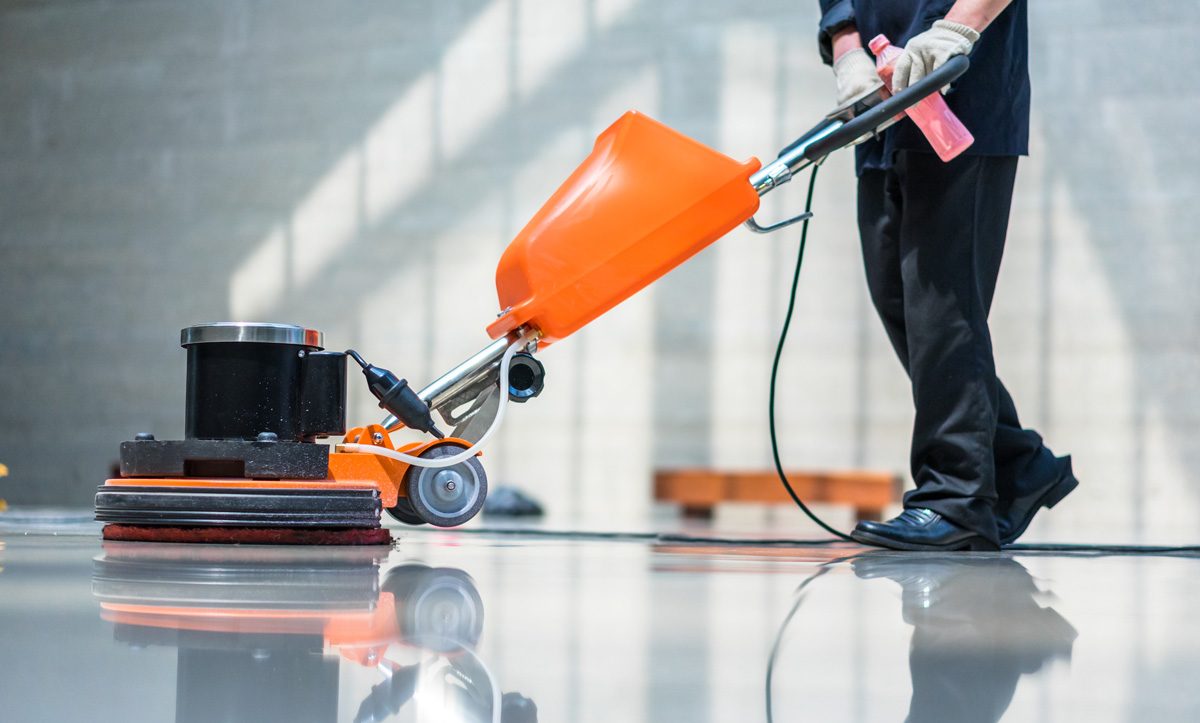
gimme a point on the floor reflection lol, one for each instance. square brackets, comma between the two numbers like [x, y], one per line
[978, 626]
[592, 630]
[261, 632]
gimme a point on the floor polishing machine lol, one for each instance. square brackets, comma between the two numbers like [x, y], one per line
[260, 396]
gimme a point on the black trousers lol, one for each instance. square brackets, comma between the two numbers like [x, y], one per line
[932, 238]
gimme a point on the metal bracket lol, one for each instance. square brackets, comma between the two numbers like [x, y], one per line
[472, 425]
[756, 228]
[471, 397]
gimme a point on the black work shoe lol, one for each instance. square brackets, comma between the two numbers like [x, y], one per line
[1013, 519]
[919, 528]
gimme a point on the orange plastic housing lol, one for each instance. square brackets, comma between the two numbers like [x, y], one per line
[645, 200]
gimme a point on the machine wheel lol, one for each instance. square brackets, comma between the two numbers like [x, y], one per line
[446, 496]
[403, 511]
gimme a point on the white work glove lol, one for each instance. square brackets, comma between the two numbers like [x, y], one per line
[928, 51]
[855, 74]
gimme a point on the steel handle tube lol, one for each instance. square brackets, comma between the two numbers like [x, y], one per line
[482, 365]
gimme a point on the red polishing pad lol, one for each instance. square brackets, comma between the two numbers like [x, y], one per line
[250, 535]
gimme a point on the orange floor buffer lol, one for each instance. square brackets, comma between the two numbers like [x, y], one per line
[260, 396]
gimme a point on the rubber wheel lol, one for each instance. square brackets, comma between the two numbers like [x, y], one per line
[446, 496]
[403, 511]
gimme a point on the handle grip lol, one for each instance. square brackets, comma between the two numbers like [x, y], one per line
[868, 121]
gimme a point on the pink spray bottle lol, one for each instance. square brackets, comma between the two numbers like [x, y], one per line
[944, 131]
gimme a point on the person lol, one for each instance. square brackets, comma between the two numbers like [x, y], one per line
[932, 236]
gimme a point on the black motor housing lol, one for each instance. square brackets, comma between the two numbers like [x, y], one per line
[244, 380]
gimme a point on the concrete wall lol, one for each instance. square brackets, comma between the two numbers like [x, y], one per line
[360, 166]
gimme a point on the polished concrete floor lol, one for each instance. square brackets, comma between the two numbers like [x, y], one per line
[477, 626]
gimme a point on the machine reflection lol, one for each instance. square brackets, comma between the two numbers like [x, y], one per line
[262, 632]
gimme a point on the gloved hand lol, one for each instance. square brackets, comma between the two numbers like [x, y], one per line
[855, 74]
[929, 50]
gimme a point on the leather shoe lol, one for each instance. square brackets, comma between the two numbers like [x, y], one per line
[1013, 518]
[919, 528]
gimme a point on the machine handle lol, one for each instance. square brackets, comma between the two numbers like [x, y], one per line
[871, 119]
[849, 124]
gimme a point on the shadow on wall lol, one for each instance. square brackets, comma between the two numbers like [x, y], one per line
[145, 147]
[358, 173]
[1118, 192]
[500, 111]
[437, 185]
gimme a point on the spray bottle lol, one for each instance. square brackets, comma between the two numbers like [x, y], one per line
[944, 131]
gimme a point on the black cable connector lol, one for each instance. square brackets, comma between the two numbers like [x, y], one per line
[397, 398]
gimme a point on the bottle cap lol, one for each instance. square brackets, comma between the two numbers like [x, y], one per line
[878, 44]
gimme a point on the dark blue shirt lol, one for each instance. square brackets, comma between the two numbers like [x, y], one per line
[991, 99]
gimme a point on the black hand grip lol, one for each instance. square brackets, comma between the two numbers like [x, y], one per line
[880, 114]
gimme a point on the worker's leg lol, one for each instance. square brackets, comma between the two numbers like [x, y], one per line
[1023, 463]
[1015, 448]
[1025, 470]
[880, 205]
[951, 241]
[1028, 475]
[879, 212]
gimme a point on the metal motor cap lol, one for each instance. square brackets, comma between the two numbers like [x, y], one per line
[223, 332]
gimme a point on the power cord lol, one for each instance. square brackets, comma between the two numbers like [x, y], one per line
[783, 334]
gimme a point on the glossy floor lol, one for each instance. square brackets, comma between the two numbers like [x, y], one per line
[477, 626]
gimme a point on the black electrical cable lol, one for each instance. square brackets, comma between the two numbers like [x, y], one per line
[783, 333]
[1062, 549]
[357, 357]
[1051, 549]
[657, 538]
[670, 538]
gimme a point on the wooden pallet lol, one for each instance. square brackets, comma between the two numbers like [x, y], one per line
[699, 490]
